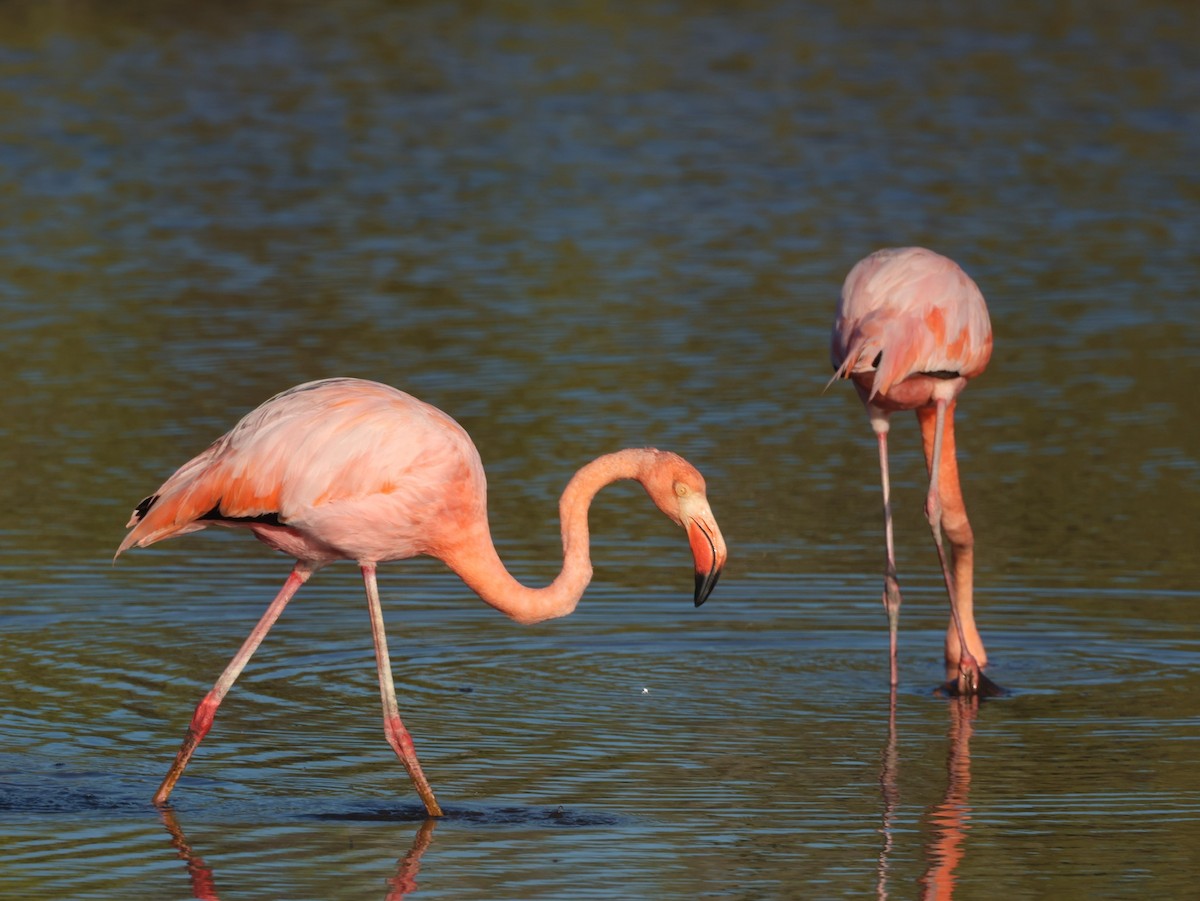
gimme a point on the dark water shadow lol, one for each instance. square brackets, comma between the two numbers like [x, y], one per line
[203, 878]
[949, 819]
[550, 817]
[30, 790]
[24, 789]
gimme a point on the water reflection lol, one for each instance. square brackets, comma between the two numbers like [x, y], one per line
[405, 880]
[581, 229]
[402, 883]
[889, 773]
[199, 872]
[949, 818]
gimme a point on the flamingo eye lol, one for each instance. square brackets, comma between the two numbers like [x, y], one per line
[681, 489]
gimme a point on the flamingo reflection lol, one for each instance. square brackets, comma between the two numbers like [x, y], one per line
[201, 874]
[950, 819]
[889, 789]
[400, 885]
[405, 880]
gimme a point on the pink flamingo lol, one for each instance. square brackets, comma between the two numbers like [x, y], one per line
[349, 469]
[911, 329]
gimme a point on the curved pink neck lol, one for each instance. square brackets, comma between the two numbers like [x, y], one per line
[476, 562]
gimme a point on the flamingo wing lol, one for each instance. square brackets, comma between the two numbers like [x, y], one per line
[907, 311]
[330, 460]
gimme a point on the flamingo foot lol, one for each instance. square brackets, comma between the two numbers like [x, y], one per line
[970, 682]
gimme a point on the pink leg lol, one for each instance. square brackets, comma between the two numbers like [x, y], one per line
[202, 719]
[968, 667]
[397, 735]
[891, 584]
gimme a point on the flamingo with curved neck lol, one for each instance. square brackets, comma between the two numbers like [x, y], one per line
[347, 469]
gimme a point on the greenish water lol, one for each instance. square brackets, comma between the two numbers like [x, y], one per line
[577, 228]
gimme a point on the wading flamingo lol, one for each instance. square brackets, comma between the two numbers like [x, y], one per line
[911, 329]
[345, 469]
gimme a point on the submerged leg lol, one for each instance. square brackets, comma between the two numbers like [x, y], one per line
[397, 735]
[202, 719]
[944, 508]
[891, 584]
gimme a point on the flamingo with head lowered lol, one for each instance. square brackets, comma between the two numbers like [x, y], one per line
[911, 330]
[346, 469]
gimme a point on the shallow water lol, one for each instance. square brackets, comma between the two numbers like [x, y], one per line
[576, 229]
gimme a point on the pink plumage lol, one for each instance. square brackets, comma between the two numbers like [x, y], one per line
[918, 305]
[330, 470]
[350, 469]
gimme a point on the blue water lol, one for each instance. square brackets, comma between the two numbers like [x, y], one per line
[577, 229]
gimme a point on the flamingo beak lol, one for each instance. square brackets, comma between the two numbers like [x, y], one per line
[708, 549]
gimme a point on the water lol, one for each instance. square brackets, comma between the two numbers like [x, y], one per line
[578, 228]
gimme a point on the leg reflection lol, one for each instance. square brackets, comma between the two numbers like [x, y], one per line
[400, 885]
[200, 873]
[951, 819]
[889, 789]
[405, 880]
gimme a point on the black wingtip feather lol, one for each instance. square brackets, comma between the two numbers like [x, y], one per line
[143, 508]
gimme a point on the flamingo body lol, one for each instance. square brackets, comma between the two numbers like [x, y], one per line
[911, 329]
[340, 469]
[927, 314]
[351, 469]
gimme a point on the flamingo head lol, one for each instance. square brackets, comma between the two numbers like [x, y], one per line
[678, 489]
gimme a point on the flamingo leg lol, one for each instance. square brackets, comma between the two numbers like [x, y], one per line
[206, 710]
[891, 583]
[397, 736]
[969, 670]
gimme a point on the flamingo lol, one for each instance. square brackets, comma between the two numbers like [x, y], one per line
[911, 330]
[347, 469]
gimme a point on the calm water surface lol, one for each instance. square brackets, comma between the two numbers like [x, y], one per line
[577, 228]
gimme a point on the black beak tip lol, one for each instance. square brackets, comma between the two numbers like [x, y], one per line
[705, 583]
